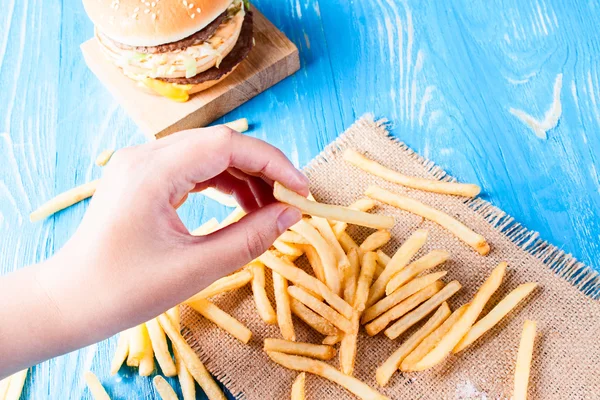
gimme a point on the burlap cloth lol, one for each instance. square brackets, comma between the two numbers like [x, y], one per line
[566, 362]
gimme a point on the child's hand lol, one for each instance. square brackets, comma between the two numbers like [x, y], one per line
[132, 258]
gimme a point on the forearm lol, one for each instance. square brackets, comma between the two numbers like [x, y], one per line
[32, 328]
[37, 324]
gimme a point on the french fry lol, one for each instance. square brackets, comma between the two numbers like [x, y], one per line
[208, 227]
[428, 185]
[64, 200]
[293, 237]
[326, 371]
[186, 380]
[163, 388]
[139, 344]
[327, 257]
[283, 307]
[161, 348]
[403, 255]
[261, 300]
[146, 367]
[351, 277]
[240, 125]
[15, 388]
[349, 341]
[174, 315]
[317, 351]
[457, 228]
[390, 366]
[121, 353]
[432, 340]
[408, 320]
[333, 339]
[4, 384]
[298, 387]
[315, 262]
[225, 284]
[104, 157]
[294, 274]
[378, 271]
[364, 204]
[93, 383]
[364, 280]
[348, 346]
[324, 229]
[383, 258]
[399, 295]
[338, 320]
[375, 240]
[495, 315]
[400, 309]
[428, 261]
[237, 214]
[191, 360]
[524, 356]
[462, 326]
[331, 212]
[220, 197]
[288, 249]
[223, 320]
[312, 319]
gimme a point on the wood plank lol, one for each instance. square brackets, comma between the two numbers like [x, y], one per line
[273, 58]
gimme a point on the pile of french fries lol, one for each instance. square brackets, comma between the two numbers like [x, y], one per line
[351, 285]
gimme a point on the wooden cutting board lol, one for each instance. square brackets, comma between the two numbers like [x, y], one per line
[273, 58]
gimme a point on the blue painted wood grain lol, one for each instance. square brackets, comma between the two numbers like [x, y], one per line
[444, 73]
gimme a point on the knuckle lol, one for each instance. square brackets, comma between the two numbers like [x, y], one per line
[224, 133]
[256, 244]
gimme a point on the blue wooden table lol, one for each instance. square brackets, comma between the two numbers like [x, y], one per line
[445, 74]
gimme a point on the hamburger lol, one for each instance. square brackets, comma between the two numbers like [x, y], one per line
[173, 48]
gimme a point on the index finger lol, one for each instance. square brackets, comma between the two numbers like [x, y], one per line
[201, 154]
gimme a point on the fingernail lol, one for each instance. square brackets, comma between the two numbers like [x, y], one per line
[287, 218]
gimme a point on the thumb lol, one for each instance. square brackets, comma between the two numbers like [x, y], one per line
[234, 246]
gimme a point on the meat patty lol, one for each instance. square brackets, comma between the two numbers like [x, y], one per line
[241, 49]
[201, 36]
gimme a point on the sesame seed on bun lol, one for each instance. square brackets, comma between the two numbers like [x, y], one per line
[152, 22]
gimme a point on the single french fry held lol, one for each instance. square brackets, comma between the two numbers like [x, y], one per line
[331, 212]
[363, 204]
